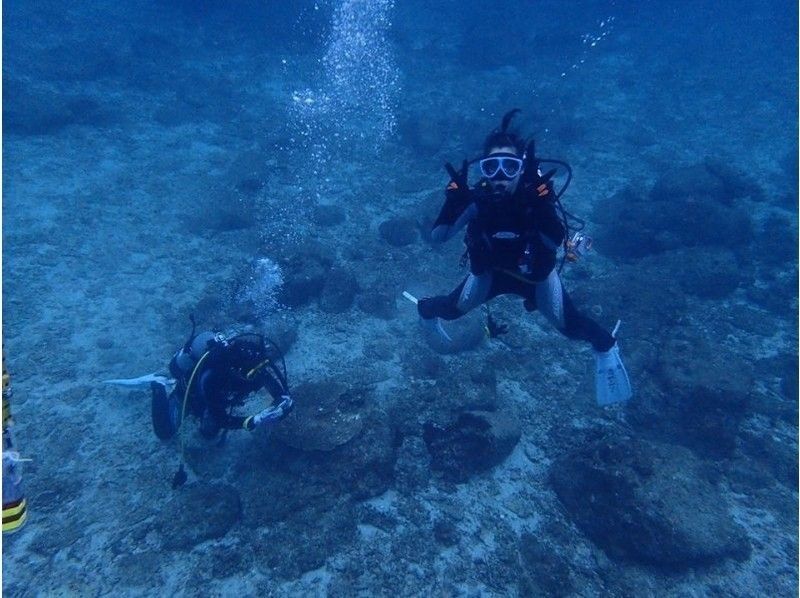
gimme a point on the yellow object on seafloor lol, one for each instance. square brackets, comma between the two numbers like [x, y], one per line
[14, 515]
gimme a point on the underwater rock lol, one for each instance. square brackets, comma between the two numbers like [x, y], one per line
[328, 215]
[707, 394]
[624, 227]
[31, 110]
[303, 278]
[426, 136]
[378, 304]
[283, 334]
[777, 452]
[209, 308]
[398, 232]
[250, 185]
[709, 273]
[283, 498]
[646, 502]
[335, 442]
[364, 466]
[222, 209]
[197, 513]
[776, 243]
[440, 390]
[423, 363]
[475, 442]
[318, 421]
[57, 537]
[709, 420]
[735, 182]
[676, 215]
[690, 181]
[789, 381]
[338, 292]
[686, 363]
[779, 294]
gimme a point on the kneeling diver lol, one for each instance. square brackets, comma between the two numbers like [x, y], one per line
[214, 375]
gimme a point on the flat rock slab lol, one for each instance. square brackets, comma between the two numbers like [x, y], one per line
[322, 418]
[647, 502]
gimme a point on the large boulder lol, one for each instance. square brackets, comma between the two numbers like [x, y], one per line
[378, 304]
[398, 232]
[646, 502]
[688, 207]
[475, 442]
[303, 278]
[776, 243]
[705, 394]
[336, 437]
[339, 291]
[709, 273]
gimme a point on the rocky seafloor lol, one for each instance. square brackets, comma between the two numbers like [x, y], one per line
[152, 157]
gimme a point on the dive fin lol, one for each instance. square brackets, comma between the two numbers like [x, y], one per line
[142, 380]
[612, 384]
[434, 326]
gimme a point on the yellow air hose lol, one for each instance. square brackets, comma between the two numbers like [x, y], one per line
[180, 475]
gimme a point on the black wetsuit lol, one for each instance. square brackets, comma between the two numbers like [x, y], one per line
[512, 243]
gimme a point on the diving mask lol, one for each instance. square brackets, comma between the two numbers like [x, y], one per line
[491, 167]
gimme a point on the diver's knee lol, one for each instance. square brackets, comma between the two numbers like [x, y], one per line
[474, 293]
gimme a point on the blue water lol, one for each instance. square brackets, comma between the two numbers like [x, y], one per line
[276, 167]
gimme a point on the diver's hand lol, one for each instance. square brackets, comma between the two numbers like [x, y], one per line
[458, 187]
[457, 196]
[530, 164]
[270, 414]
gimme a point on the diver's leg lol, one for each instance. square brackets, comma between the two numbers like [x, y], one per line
[552, 300]
[472, 292]
[612, 384]
[210, 422]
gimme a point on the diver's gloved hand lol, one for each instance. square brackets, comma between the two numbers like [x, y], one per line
[457, 190]
[270, 414]
[529, 163]
[458, 185]
[612, 384]
[457, 196]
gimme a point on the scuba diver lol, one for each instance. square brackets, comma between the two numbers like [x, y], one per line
[213, 375]
[15, 507]
[513, 232]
